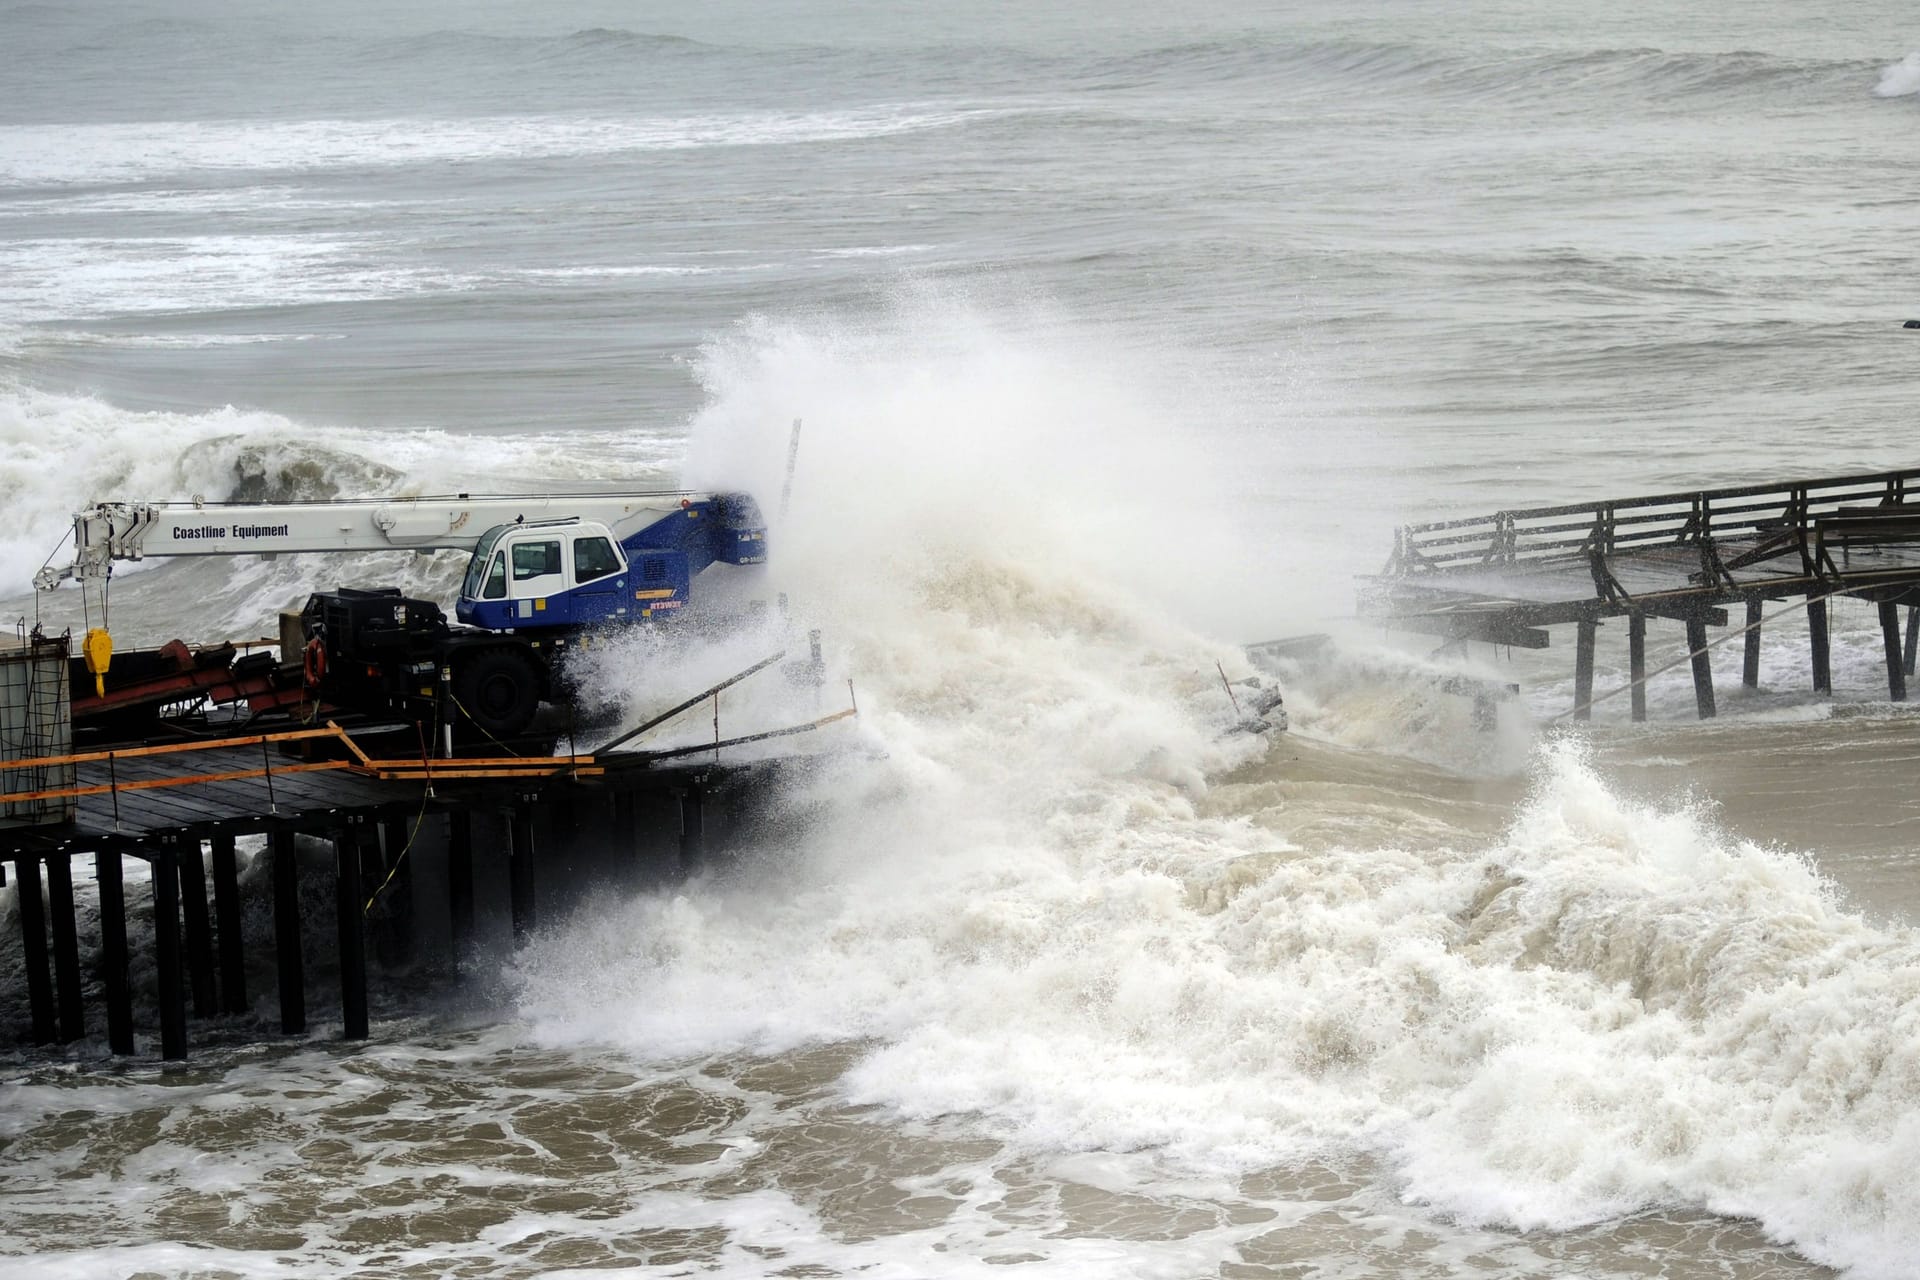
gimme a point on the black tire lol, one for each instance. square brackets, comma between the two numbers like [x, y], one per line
[499, 690]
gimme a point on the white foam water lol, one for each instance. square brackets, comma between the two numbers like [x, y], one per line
[1900, 79]
[102, 153]
[61, 278]
[1043, 917]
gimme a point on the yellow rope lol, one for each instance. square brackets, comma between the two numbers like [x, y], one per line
[419, 820]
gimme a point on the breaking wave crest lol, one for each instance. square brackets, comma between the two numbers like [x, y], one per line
[1609, 1009]
[60, 453]
[1900, 79]
[95, 153]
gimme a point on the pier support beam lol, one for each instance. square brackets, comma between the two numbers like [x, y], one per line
[693, 827]
[66, 948]
[33, 938]
[427, 923]
[347, 899]
[113, 950]
[1896, 656]
[460, 884]
[164, 863]
[520, 877]
[1913, 636]
[1750, 665]
[226, 926]
[1486, 713]
[393, 938]
[289, 964]
[1583, 670]
[1702, 667]
[623, 840]
[1817, 642]
[1637, 663]
[193, 897]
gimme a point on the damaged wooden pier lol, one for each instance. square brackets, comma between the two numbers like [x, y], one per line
[424, 852]
[1691, 558]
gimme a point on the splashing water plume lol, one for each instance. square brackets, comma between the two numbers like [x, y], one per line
[1030, 909]
[1900, 79]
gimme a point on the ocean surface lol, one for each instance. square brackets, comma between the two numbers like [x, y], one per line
[1122, 334]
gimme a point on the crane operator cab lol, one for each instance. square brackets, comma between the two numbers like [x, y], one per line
[574, 572]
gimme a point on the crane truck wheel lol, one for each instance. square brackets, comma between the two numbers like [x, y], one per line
[499, 690]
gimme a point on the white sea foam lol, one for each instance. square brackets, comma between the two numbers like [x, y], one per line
[876, 251]
[1031, 906]
[65, 277]
[1900, 79]
[169, 341]
[46, 154]
[1610, 1010]
[242, 200]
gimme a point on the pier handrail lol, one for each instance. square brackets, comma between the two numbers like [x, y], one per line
[360, 762]
[1791, 512]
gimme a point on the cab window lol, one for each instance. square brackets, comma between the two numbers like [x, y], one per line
[481, 561]
[496, 580]
[535, 559]
[593, 558]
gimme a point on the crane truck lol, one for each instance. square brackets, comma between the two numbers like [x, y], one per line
[544, 571]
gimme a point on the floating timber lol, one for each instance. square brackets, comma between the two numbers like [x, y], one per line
[1690, 557]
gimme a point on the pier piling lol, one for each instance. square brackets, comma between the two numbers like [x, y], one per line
[1896, 656]
[289, 964]
[1750, 662]
[425, 914]
[1637, 663]
[1583, 670]
[693, 835]
[1702, 667]
[520, 876]
[66, 949]
[348, 899]
[164, 865]
[226, 921]
[460, 886]
[1817, 643]
[33, 937]
[193, 897]
[113, 950]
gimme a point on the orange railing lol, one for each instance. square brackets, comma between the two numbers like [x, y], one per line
[360, 763]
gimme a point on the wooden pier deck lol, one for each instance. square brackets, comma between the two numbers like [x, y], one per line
[1508, 577]
[459, 842]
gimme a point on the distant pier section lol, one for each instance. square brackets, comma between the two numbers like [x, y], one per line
[1702, 558]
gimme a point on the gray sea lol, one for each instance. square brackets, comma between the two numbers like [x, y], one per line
[1122, 334]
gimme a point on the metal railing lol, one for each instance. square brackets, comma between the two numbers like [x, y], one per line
[1782, 516]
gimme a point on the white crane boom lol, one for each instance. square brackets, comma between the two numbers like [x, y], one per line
[112, 531]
